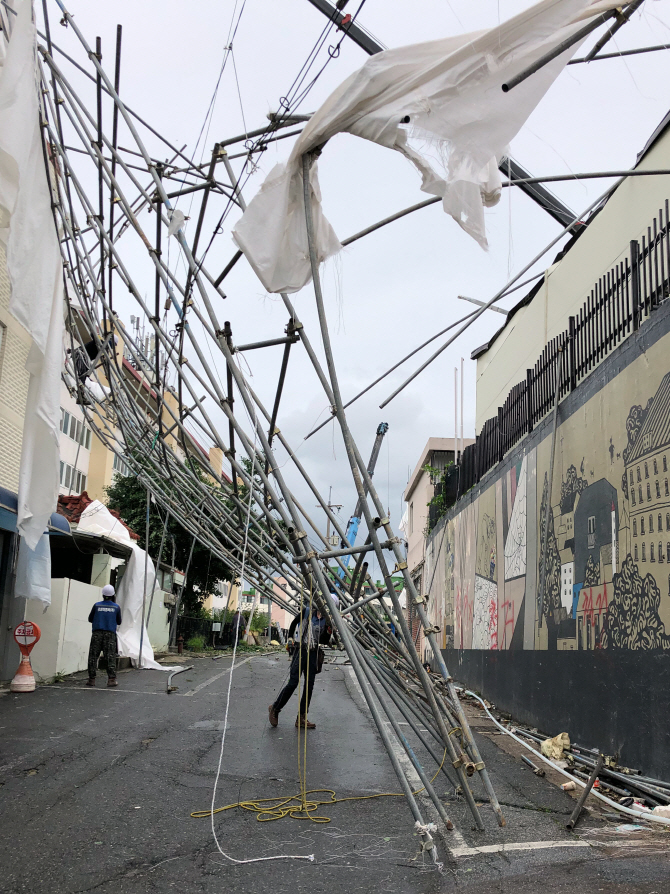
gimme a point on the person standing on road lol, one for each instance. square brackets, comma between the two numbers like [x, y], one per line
[105, 616]
[313, 631]
[236, 626]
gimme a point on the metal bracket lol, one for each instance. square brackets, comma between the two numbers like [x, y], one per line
[428, 630]
[480, 765]
[400, 566]
[385, 521]
[419, 600]
[458, 762]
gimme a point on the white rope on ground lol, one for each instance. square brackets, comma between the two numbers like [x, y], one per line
[638, 814]
[310, 857]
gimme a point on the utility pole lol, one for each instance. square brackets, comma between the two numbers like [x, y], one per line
[330, 506]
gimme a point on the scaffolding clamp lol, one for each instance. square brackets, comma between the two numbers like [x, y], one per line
[400, 566]
[420, 600]
[480, 766]
[427, 631]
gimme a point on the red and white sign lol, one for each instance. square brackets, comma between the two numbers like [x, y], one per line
[26, 635]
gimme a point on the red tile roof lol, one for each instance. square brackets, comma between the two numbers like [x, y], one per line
[72, 507]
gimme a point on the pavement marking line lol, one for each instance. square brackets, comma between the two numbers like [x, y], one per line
[515, 846]
[216, 677]
[103, 689]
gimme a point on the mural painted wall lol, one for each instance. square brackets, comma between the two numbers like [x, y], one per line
[607, 551]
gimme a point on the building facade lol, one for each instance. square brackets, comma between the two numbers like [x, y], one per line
[559, 590]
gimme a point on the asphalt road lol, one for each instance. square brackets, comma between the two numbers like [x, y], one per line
[97, 788]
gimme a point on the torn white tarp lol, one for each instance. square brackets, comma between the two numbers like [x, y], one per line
[29, 236]
[97, 519]
[130, 595]
[441, 99]
[33, 571]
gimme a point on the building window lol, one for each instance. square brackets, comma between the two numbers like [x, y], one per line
[642, 525]
[75, 429]
[667, 552]
[644, 554]
[667, 521]
[660, 551]
[658, 488]
[591, 530]
[651, 524]
[665, 464]
[120, 467]
[636, 559]
[411, 518]
[72, 478]
[634, 527]
[651, 552]
[646, 470]
[655, 468]
[580, 633]
[660, 522]
[596, 631]
[639, 477]
[632, 493]
[639, 492]
[649, 491]
[631, 478]
[588, 633]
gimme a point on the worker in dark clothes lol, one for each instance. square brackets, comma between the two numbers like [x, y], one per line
[236, 628]
[313, 630]
[105, 617]
[86, 358]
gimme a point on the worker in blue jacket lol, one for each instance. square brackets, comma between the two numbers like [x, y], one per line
[105, 616]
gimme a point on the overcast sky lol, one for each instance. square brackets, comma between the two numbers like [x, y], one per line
[393, 289]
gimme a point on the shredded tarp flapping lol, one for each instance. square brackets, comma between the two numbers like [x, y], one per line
[442, 99]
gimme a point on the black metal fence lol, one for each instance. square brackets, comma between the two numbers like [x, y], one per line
[619, 302]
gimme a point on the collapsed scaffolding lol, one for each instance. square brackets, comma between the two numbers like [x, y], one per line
[153, 433]
[102, 196]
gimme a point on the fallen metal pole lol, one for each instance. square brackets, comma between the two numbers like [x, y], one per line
[363, 481]
[558, 50]
[574, 819]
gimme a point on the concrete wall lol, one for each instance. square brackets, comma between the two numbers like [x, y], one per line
[626, 216]
[66, 632]
[607, 555]
[158, 627]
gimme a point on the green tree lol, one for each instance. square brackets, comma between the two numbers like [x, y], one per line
[129, 497]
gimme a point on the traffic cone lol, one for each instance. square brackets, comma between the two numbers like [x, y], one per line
[24, 679]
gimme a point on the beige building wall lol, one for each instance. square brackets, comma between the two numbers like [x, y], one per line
[418, 494]
[566, 285]
[13, 385]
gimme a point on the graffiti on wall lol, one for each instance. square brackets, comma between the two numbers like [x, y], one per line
[604, 555]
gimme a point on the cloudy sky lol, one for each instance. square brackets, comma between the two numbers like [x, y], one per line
[393, 289]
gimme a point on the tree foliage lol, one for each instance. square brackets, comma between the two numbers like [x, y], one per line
[129, 497]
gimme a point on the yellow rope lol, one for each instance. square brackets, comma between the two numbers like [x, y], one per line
[298, 807]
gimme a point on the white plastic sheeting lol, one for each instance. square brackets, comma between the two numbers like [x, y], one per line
[97, 519]
[459, 117]
[33, 571]
[29, 235]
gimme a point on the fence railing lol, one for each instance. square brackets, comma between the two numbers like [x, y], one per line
[619, 302]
